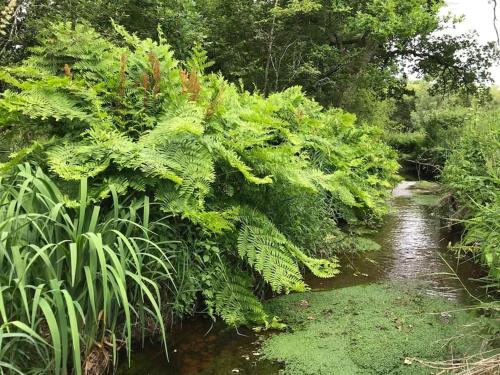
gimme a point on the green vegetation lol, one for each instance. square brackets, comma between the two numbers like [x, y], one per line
[458, 142]
[472, 172]
[74, 278]
[368, 329]
[230, 172]
[165, 157]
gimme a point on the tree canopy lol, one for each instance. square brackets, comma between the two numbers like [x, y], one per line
[337, 51]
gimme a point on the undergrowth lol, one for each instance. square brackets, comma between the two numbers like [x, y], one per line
[472, 174]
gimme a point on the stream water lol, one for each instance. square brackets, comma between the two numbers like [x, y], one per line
[413, 247]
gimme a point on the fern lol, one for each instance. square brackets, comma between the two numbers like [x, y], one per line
[73, 162]
[234, 160]
[43, 104]
[237, 168]
[275, 257]
[231, 297]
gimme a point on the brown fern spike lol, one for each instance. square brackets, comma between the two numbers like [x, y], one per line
[67, 71]
[145, 86]
[194, 86]
[190, 84]
[184, 81]
[155, 67]
[123, 69]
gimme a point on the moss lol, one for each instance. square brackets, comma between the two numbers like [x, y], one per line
[430, 200]
[426, 185]
[427, 193]
[368, 329]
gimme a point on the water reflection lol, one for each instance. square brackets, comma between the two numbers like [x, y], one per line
[200, 348]
[414, 244]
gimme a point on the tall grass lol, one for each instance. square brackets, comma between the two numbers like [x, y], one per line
[482, 237]
[75, 279]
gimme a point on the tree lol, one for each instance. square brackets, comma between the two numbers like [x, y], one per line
[337, 49]
[178, 19]
[342, 52]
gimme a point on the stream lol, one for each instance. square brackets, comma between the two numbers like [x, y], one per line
[414, 245]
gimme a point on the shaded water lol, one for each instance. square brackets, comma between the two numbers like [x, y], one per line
[414, 244]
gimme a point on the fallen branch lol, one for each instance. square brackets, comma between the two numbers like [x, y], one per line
[465, 366]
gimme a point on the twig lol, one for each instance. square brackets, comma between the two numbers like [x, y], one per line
[495, 21]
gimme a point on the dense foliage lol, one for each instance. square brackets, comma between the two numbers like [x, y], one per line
[252, 188]
[179, 19]
[144, 177]
[472, 172]
[342, 52]
[456, 139]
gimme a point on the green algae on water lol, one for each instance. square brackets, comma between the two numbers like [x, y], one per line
[428, 186]
[367, 329]
[430, 200]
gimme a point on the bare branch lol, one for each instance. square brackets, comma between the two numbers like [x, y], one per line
[495, 21]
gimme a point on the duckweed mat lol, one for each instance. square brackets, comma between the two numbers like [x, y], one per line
[369, 329]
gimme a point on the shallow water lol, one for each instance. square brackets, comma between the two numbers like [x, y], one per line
[414, 247]
[414, 241]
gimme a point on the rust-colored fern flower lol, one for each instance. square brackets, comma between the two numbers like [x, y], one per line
[155, 67]
[67, 71]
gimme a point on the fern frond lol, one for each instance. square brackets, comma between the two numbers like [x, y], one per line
[266, 249]
[324, 268]
[39, 103]
[234, 160]
[169, 127]
[75, 161]
[19, 156]
[231, 296]
[213, 221]
[337, 183]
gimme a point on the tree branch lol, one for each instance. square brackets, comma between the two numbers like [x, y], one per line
[495, 21]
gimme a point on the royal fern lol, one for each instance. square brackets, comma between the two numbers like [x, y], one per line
[235, 167]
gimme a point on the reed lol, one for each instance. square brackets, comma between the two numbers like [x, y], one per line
[76, 279]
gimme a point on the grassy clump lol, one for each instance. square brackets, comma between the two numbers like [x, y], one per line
[369, 329]
[472, 174]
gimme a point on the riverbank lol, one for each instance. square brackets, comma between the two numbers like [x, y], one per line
[390, 311]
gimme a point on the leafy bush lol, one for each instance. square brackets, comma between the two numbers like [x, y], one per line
[473, 174]
[253, 186]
